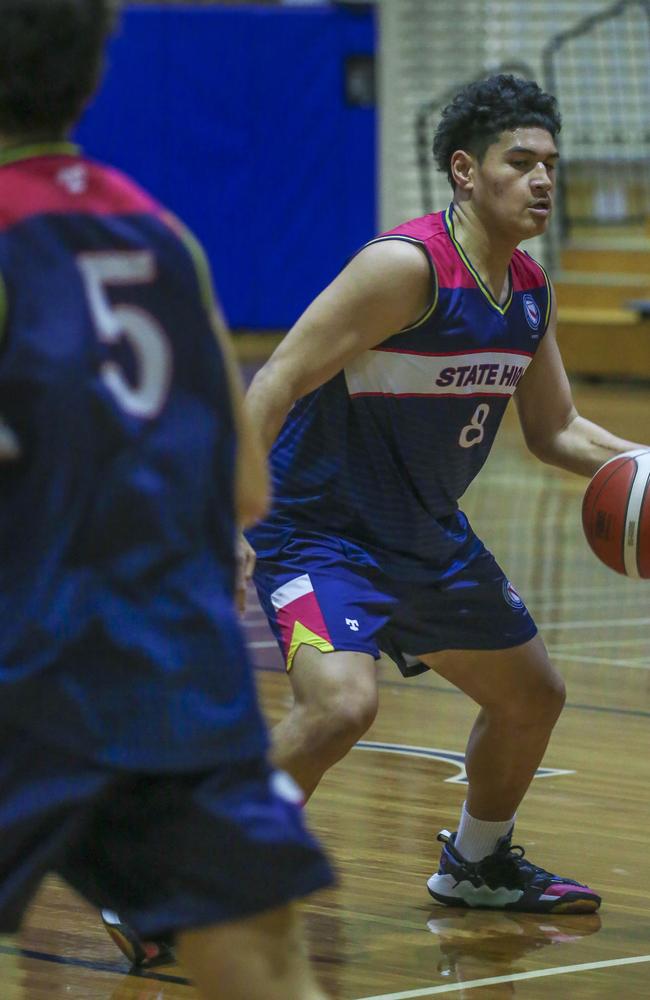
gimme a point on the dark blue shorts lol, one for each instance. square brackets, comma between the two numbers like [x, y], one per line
[330, 593]
[167, 852]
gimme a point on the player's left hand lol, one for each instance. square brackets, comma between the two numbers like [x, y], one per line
[245, 565]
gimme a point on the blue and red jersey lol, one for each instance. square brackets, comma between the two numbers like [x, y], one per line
[383, 451]
[119, 637]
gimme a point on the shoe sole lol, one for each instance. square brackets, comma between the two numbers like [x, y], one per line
[564, 905]
[140, 953]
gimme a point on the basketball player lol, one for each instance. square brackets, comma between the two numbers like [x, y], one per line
[132, 751]
[385, 399]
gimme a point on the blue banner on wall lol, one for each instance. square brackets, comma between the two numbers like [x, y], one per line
[241, 121]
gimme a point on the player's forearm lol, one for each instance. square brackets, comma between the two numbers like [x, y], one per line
[252, 488]
[582, 447]
[267, 403]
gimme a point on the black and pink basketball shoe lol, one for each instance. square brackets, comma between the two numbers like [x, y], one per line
[143, 954]
[505, 880]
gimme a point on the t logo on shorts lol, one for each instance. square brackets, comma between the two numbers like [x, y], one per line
[352, 624]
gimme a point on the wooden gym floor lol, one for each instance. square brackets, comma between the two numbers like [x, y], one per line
[379, 936]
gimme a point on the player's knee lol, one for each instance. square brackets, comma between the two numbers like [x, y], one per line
[347, 714]
[337, 698]
[556, 695]
[358, 713]
[552, 694]
[541, 700]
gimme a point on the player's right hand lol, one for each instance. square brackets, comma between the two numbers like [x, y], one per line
[245, 566]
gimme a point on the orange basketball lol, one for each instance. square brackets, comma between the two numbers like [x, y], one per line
[616, 513]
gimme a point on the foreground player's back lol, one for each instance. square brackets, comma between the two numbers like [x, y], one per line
[105, 298]
[121, 503]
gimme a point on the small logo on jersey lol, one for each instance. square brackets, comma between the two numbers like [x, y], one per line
[511, 596]
[352, 624]
[74, 179]
[531, 310]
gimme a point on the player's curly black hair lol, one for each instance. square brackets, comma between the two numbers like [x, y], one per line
[482, 110]
[50, 61]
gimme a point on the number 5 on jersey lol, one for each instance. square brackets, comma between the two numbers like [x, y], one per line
[146, 396]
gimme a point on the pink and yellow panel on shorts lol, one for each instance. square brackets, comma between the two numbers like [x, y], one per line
[299, 618]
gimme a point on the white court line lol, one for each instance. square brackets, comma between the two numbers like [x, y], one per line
[473, 984]
[574, 658]
[629, 586]
[557, 653]
[544, 606]
[601, 644]
[586, 623]
[637, 665]
[511, 479]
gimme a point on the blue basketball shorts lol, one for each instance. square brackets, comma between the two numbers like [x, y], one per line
[330, 593]
[167, 852]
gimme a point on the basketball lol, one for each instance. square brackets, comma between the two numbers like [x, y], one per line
[616, 513]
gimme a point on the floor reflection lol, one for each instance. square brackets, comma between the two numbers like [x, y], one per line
[481, 944]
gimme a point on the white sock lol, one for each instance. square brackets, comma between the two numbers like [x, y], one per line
[476, 838]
